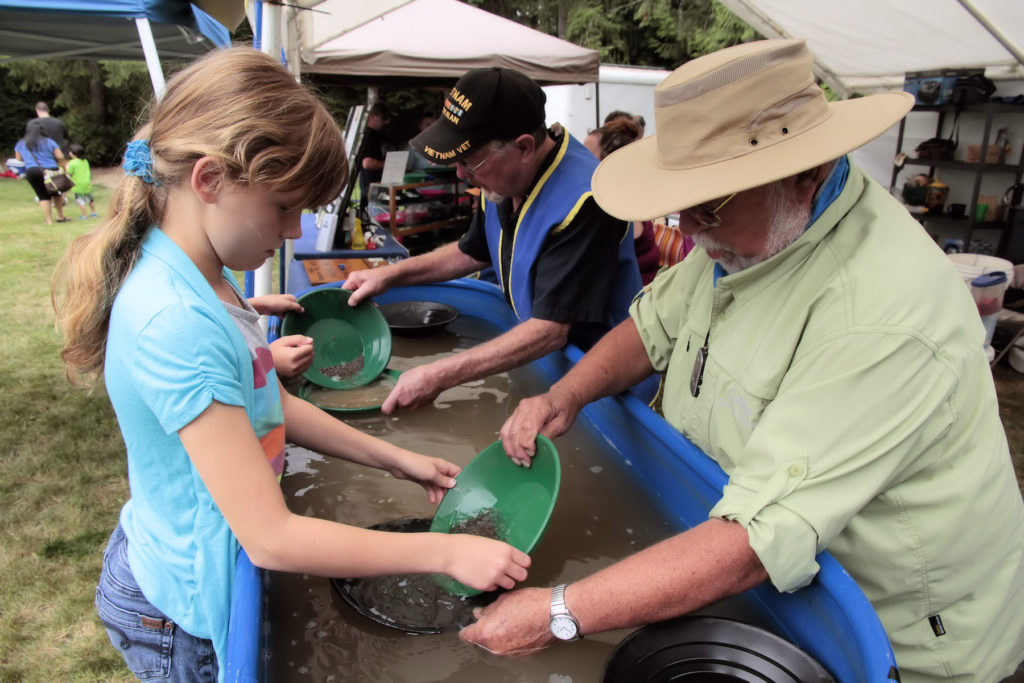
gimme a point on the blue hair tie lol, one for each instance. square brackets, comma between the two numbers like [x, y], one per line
[138, 162]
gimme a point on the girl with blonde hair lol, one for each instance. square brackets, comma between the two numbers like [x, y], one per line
[216, 180]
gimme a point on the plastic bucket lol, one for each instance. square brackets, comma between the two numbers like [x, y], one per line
[971, 266]
[988, 291]
[16, 167]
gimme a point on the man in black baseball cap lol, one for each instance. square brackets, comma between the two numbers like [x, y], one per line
[566, 267]
[486, 104]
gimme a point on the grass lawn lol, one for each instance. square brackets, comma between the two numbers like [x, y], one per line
[62, 468]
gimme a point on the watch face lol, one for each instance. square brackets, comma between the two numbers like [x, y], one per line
[563, 628]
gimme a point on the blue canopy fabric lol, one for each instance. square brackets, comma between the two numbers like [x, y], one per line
[104, 29]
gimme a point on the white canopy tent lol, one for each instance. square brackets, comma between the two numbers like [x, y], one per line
[426, 41]
[333, 18]
[868, 45]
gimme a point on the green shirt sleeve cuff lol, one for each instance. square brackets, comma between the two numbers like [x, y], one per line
[783, 540]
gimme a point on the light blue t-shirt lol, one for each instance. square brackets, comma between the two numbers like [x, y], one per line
[172, 349]
[42, 157]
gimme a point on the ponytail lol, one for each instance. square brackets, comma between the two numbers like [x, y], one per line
[91, 272]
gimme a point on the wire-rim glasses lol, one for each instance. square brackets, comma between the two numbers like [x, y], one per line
[707, 217]
[472, 170]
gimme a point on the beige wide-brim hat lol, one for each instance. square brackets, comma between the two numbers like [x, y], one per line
[735, 119]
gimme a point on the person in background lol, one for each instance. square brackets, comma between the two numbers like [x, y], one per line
[617, 133]
[53, 128]
[417, 162]
[371, 163]
[824, 352]
[619, 114]
[40, 154]
[566, 267]
[216, 181]
[592, 141]
[640, 121]
[78, 169]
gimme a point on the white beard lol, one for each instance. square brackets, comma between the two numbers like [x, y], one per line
[785, 225]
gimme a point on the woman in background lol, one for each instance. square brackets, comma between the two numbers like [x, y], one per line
[616, 133]
[39, 154]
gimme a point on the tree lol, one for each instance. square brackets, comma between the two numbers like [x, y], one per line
[100, 102]
[662, 33]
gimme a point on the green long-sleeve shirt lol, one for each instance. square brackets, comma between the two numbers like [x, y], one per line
[847, 396]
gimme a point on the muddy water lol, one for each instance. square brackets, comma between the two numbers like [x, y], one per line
[601, 516]
[357, 399]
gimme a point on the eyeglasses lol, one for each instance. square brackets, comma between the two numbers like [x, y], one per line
[709, 218]
[472, 170]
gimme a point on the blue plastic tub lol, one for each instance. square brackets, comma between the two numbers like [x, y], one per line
[831, 619]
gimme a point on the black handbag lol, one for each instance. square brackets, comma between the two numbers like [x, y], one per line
[940, 148]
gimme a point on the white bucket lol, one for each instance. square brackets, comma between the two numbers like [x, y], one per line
[973, 265]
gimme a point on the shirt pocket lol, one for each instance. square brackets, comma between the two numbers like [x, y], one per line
[733, 412]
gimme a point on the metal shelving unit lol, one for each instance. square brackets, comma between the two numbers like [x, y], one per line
[395, 196]
[978, 169]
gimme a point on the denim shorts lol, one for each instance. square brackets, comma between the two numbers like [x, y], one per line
[153, 647]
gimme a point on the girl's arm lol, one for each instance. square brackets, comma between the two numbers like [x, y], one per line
[232, 465]
[308, 426]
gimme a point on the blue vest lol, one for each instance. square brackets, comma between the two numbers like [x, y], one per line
[550, 207]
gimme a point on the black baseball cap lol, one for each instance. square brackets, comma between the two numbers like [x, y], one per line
[484, 105]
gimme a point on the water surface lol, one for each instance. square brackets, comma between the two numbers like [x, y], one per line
[601, 517]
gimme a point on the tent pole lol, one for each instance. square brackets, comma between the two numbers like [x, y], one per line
[156, 74]
[271, 32]
[270, 43]
[293, 58]
[291, 48]
[1003, 39]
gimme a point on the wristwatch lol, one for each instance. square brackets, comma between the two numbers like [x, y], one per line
[563, 624]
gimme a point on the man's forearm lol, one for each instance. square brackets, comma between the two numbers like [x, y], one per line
[679, 575]
[527, 341]
[615, 363]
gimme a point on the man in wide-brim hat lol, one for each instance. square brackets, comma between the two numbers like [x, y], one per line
[824, 352]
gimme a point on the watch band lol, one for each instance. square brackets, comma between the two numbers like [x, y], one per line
[561, 615]
[558, 599]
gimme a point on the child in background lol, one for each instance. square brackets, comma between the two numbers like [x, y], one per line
[216, 180]
[78, 169]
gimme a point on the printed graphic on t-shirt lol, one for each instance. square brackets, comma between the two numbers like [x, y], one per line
[267, 416]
